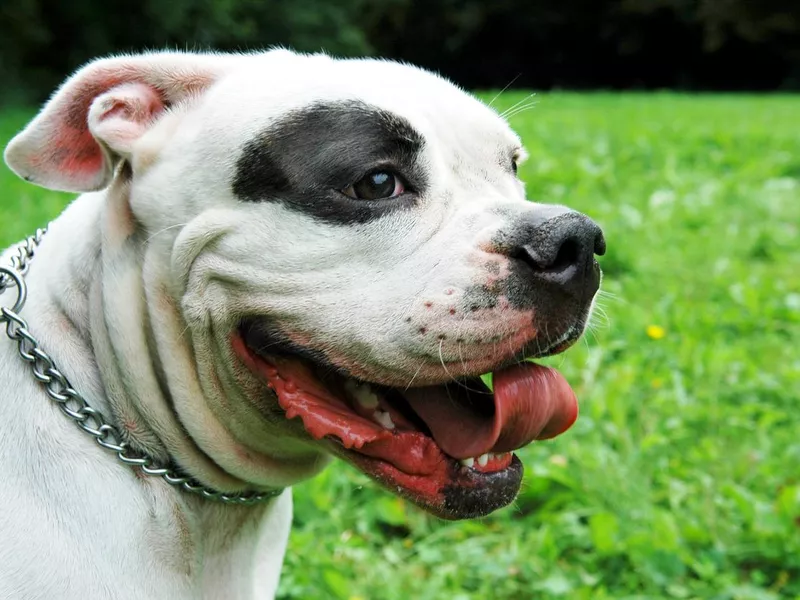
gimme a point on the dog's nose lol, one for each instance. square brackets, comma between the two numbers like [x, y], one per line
[560, 251]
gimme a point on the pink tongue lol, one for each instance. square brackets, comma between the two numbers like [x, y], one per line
[531, 402]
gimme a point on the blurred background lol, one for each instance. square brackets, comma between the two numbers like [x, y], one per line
[628, 44]
[673, 123]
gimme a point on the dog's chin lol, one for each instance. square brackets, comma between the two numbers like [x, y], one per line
[447, 448]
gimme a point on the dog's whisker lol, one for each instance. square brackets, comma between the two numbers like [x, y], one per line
[452, 378]
[610, 296]
[519, 360]
[508, 85]
[599, 318]
[520, 110]
[160, 231]
[459, 344]
[421, 364]
[605, 293]
[505, 113]
[546, 339]
[525, 99]
[461, 358]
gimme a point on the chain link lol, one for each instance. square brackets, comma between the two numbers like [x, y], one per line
[72, 403]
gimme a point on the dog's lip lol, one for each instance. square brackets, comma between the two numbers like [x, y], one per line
[557, 346]
[452, 492]
[407, 460]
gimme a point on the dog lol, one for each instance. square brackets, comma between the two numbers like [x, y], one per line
[275, 259]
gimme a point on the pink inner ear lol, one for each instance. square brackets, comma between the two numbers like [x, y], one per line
[72, 156]
[74, 152]
[97, 115]
[121, 116]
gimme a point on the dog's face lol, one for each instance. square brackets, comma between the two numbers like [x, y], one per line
[351, 249]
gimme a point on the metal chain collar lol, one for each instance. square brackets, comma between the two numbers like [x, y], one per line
[72, 403]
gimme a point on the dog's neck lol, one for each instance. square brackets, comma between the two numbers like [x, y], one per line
[87, 288]
[58, 309]
[71, 311]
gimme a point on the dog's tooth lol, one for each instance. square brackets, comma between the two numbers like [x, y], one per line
[384, 418]
[361, 393]
[483, 459]
[367, 398]
[468, 462]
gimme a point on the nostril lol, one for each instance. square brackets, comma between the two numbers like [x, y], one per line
[568, 255]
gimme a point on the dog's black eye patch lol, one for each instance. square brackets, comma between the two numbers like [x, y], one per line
[309, 156]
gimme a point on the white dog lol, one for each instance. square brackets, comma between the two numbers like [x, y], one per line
[276, 258]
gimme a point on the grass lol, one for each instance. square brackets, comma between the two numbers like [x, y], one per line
[681, 478]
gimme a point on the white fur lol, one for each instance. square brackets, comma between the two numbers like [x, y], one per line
[131, 294]
[76, 524]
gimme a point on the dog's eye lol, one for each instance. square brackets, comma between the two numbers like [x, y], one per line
[514, 165]
[377, 185]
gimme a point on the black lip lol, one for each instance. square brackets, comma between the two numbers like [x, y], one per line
[574, 332]
[471, 494]
[479, 494]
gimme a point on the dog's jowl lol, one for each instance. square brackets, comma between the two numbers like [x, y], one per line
[275, 259]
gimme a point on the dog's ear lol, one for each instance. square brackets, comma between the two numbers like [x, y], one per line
[97, 115]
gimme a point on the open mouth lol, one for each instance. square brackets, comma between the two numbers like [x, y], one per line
[448, 448]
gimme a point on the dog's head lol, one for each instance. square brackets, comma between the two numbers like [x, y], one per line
[349, 249]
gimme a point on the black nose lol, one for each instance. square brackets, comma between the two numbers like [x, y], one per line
[560, 251]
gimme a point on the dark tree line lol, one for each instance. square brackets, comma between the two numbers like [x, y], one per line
[685, 44]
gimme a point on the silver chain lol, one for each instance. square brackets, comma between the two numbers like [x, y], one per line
[72, 403]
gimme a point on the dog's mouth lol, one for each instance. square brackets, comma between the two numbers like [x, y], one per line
[448, 448]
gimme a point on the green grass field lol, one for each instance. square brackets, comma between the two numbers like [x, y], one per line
[681, 478]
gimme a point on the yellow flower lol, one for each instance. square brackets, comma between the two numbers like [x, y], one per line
[655, 332]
